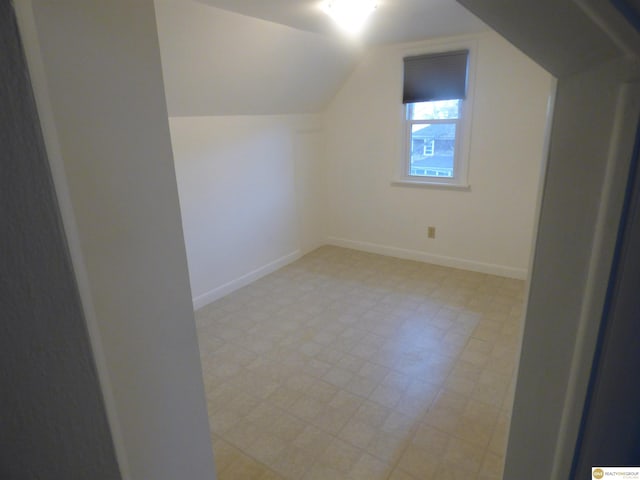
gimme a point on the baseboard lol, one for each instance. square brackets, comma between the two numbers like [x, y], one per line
[219, 292]
[464, 264]
[493, 269]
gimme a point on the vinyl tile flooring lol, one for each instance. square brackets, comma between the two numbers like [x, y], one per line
[350, 365]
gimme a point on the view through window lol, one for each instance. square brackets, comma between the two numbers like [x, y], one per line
[432, 128]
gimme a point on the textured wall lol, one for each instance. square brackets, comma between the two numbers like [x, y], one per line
[52, 419]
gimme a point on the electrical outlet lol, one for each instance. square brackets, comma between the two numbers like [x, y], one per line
[431, 232]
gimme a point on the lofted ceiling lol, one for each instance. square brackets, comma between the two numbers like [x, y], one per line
[394, 21]
[252, 57]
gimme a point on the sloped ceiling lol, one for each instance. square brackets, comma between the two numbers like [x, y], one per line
[570, 40]
[394, 21]
[251, 57]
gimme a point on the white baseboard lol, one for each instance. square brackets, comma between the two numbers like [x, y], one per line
[219, 292]
[493, 269]
[464, 264]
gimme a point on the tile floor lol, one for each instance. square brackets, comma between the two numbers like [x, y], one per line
[349, 365]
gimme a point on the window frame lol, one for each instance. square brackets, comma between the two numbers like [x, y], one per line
[460, 179]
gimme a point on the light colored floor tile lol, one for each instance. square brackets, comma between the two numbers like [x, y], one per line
[338, 376]
[431, 439]
[346, 401]
[464, 455]
[270, 475]
[369, 467]
[415, 461]
[386, 447]
[498, 442]
[333, 419]
[372, 414]
[399, 425]
[243, 434]
[221, 420]
[307, 408]
[266, 448]
[225, 453]
[493, 465]
[243, 468]
[357, 433]
[313, 440]
[283, 397]
[346, 365]
[453, 472]
[293, 463]
[341, 456]
[287, 427]
[322, 472]
[399, 474]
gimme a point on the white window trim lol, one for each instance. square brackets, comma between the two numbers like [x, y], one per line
[460, 180]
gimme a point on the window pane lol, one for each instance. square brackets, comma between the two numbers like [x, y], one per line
[441, 109]
[432, 149]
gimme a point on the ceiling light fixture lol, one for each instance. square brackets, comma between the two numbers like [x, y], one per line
[350, 15]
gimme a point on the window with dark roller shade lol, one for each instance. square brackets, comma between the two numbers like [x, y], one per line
[438, 76]
[437, 97]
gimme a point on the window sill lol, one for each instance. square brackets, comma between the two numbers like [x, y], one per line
[405, 182]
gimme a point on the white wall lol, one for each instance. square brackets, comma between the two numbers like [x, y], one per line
[222, 63]
[490, 227]
[251, 194]
[594, 128]
[107, 129]
[258, 191]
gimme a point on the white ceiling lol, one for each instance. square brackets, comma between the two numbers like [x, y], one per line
[250, 57]
[394, 21]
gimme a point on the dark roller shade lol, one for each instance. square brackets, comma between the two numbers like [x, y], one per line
[439, 76]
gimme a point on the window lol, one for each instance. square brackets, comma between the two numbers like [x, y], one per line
[435, 123]
[432, 128]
